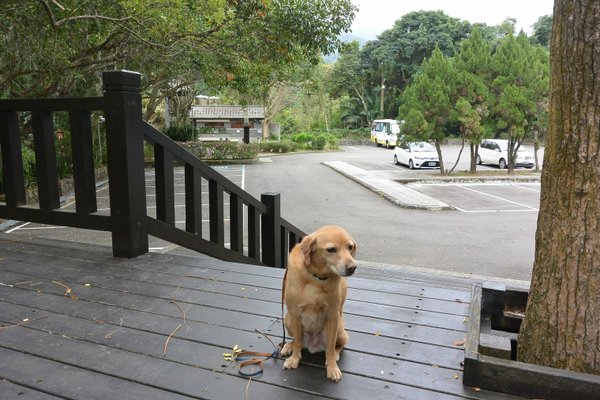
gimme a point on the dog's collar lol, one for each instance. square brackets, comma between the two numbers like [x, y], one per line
[321, 278]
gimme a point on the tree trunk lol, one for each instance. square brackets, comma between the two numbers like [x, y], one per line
[382, 96]
[474, 153]
[536, 147]
[266, 132]
[364, 104]
[457, 158]
[438, 147]
[562, 323]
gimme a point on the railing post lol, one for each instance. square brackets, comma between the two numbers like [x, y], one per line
[125, 146]
[271, 230]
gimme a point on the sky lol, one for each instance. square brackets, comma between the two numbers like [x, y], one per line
[376, 16]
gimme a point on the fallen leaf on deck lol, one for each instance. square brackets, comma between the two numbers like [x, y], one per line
[476, 389]
[459, 342]
[377, 334]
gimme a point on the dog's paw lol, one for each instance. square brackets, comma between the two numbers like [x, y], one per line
[286, 350]
[291, 363]
[334, 373]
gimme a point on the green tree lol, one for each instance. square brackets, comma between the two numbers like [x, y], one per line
[399, 52]
[472, 96]
[348, 78]
[521, 84]
[542, 31]
[561, 328]
[426, 104]
[174, 43]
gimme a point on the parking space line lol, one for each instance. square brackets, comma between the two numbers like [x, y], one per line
[499, 198]
[18, 227]
[528, 188]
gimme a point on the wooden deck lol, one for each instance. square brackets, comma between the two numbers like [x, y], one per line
[76, 323]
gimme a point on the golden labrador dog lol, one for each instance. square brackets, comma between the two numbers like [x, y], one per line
[315, 291]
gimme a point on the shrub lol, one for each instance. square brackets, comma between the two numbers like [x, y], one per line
[222, 150]
[289, 125]
[303, 137]
[180, 133]
[318, 143]
[284, 146]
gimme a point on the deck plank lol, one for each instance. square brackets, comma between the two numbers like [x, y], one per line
[107, 334]
[10, 390]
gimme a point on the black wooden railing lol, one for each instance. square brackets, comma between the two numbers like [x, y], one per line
[262, 237]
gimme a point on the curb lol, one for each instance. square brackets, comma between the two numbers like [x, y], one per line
[435, 205]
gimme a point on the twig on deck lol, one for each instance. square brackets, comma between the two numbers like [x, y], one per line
[174, 330]
[169, 338]
[109, 335]
[175, 291]
[247, 387]
[68, 290]
[180, 309]
[25, 321]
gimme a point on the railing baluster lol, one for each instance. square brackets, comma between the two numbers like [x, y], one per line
[271, 231]
[193, 200]
[12, 159]
[293, 241]
[236, 223]
[253, 233]
[285, 245]
[165, 185]
[269, 236]
[45, 160]
[84, 176]
[216, 223]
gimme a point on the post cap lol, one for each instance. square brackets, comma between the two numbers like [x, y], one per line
[122, 80]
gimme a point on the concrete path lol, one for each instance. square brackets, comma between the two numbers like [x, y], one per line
[395, 192]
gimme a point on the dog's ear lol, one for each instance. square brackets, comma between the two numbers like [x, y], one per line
[353, 251]
[307, 245]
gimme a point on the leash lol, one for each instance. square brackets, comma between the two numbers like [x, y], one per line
[249, 358]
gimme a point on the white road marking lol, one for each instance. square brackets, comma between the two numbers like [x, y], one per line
[18, 227]
[498, 198]
[528, 188]
[243, 176]
[42, 227]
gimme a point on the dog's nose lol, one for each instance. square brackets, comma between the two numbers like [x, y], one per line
[350, 269]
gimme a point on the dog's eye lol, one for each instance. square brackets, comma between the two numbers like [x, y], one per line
[331, 249]
[350, 247]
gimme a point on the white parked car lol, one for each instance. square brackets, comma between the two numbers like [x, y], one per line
[495, 151]
[416, 155]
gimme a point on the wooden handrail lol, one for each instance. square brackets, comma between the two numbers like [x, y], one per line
[268, 236]
[153, 136]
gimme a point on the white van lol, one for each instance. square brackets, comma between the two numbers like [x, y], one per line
[384, 132]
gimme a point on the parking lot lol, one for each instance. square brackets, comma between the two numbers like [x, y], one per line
[490, 232]
[489, 197]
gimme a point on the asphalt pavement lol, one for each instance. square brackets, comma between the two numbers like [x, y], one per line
[485, 231]
[404, 221]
